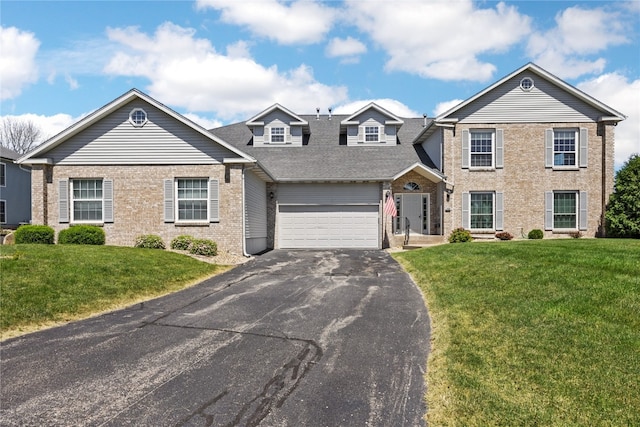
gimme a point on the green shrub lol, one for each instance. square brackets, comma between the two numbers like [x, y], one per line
[42, 234]
[535, 234]
[460, 235]
[204, 247]
[504, 235]
[81, 235]
[149, 241]
[182, 242]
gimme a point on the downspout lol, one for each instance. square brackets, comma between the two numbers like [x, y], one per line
[244, 238]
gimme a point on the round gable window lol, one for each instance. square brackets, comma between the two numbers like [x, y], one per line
[138, 117]
[526, 84]
[411, 186]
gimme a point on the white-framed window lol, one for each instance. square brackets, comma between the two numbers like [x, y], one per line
[481, 148]
[3, 175]
[526, 84]
[371, 134]
[565, 210]
[277, 134]
[3, 211]
[192, 195]
[411, 186]
[138, 117]
[481, 211]
[86, 200]
[565, 150]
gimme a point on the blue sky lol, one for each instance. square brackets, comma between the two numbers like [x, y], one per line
[220, 61]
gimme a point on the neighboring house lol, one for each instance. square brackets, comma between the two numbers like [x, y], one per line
[15, 190]
[528, 152]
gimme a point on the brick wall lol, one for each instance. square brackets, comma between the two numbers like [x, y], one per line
[139, 199]
[524, 178]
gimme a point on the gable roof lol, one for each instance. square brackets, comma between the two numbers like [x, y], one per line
[609, 114]
[9, 154]
[351, 120]
[325, 155]
[34, 156]
[254, 121]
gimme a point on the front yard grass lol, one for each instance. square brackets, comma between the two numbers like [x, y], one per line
[41, 285]
[532, 332]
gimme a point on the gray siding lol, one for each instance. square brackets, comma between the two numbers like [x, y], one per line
[162, 140]
[433, 147]
[277, 118]
[255, 207]
[16, 194]
[545, 102]
[355, 133]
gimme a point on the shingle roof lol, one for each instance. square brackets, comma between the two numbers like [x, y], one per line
[325, 155]
[7, 153]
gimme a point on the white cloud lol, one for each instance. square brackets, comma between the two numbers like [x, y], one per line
[205, 122]
[48, 125]
[391, 105]
[349, 49]
[187, 72]
[18, 67]
[567, 49]
[441, 40]
[303, 22]
[445, 106]
[616, 91]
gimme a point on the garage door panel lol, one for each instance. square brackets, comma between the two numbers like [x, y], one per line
[328, 227]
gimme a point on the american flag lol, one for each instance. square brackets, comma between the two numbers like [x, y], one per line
[390, 206]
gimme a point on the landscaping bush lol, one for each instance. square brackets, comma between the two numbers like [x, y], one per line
[81, 235]
[536, 234]
[575, 234]
[42, 234]
[149, 241]
[460, 235]
[182, 242]
[204, 247]
[504, 235]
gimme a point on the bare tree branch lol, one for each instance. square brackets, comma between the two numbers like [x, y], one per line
[19, 135]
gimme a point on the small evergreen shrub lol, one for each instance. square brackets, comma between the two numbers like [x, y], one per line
[204, 247]
[149, 241]
[460, 235]
[504, 235]
[81, 235]
[42, 234]
[535, 234]
[182, 242]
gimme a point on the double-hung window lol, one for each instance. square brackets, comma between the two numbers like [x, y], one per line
[481, 149]
[277, 134]
[3, 175]
[565, 210]
[86, 200]
[481, 211]
[371, 134]
[564, 147]
[193, 199]
[3, 211]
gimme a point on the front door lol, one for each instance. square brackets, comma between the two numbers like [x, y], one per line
[414, 211]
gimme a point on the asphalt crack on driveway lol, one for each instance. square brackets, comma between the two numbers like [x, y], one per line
[273, 394]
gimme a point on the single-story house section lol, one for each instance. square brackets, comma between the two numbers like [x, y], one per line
[528, 152]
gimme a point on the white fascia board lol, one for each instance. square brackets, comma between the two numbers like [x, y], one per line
[372, 105]
[36, 161]
[236, 160]
[254, 120]
[428, 173]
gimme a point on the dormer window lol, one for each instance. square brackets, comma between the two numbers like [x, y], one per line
[277, 134]
[371, 134]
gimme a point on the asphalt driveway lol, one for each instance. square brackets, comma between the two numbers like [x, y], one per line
[291, 338]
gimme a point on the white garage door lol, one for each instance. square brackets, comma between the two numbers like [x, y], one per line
[313, 216]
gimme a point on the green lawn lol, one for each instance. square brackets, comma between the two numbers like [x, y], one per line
[525, 333]
[45, 284]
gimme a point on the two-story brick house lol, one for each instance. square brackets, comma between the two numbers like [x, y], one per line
[528, 152]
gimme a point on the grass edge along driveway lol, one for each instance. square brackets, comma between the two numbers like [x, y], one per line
[532, 332]
[46, 285]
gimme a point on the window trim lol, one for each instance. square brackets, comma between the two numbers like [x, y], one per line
[73, 200]
[576, 146]
[368, 132]
[177, 199]
[493, 211]
[134, 122]
[3, 174]
[522, 84]
[492, 153]
[576, 211]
